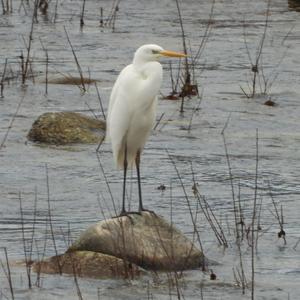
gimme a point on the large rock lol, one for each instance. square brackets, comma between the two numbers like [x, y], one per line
[146, 240]
[88, 264]
[61, 128]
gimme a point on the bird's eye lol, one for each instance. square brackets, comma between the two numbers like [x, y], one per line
[155, 52]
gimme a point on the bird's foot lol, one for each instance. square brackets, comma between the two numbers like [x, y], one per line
[124, 213]
[141, 210]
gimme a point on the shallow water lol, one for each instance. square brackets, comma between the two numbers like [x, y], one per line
[76, 180]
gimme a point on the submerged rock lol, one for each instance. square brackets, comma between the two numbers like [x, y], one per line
[61, 128]
[88, 264]
[146, 240]
[68, 80]
[270, 103]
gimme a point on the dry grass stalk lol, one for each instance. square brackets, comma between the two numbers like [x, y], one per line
[296, 245]
[83, 88]
[38, 269]
[207, 211]
[111, 19]
[212, 220]
[22, 5]
[175, 276]
[196, 231]
[254, 217]
[79, 294]
[107, 183]
[208, 28]
[279, 217]
[101, 17]
[257, 66]
[25, 63]
[43, 6]
[189, 85]
[185, 90]
[2, 80]
[7, 272]
[174, 83]
[235, 210]
[41, 259]
[47, 65]
[11, 123]
[114, 19]
[50, 220]
[158, 121]
[6, 7]
[27, 261]
[241, 222]
[258, 224]
[55, 12]
[3, 7]
[33, 225]
[195, 109]
[183, 37]
[82, 14]
[100, 102]
[240, 279]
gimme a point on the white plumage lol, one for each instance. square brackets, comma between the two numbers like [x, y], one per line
[132, 105]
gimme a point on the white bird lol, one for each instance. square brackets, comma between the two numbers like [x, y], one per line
[132, 109]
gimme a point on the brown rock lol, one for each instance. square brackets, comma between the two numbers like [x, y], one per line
[68, 80]
[88, 264]
[294, 5]
[270, 103]
[61, 128]
[146, 240]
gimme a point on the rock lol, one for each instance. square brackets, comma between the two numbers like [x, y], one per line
[270, 103]
[88, 264]
[146, 240]
[61, 128]
[294, 5]
[67, 79]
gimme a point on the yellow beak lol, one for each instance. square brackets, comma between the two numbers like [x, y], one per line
[172, 53]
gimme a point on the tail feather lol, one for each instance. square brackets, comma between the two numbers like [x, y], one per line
[119, 157]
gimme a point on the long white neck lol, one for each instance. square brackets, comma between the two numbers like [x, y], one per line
[138, 61]
[151, 75]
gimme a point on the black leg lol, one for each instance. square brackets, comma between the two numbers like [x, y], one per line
[123, 212]
[137, 164]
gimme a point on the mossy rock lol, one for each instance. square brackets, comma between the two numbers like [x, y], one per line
[88, 264]
[146, 240]
[62, 128]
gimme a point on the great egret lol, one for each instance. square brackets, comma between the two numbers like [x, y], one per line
[132, 109]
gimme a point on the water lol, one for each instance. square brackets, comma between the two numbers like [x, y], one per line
[76, 180]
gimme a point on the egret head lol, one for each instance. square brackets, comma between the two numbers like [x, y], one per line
[152, 52]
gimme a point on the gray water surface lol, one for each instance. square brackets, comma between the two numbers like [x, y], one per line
[76, 181]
